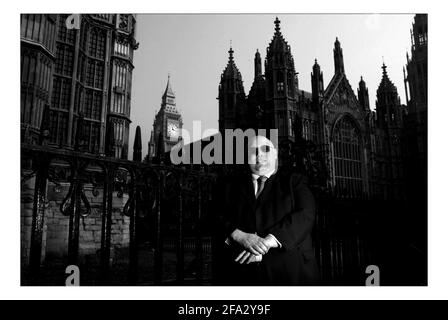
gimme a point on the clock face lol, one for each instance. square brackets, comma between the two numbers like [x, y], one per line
[172, 130]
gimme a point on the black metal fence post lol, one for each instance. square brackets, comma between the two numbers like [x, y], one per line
[74, 214]
[180, 236]
[133, 254]
[198, 246]
[133, 198]
[40, 190]
[106, 223]
[75, 201]
[158, 252]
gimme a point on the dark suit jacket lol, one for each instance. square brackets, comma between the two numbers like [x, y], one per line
[285, 209]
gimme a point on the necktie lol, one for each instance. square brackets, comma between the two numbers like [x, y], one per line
[260, 185]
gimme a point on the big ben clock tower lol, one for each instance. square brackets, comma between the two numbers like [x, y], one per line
[167, 124]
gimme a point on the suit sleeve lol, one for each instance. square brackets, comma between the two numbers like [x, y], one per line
[294, 227]
[225, 222]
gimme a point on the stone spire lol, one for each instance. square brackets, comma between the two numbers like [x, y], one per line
[338, 57]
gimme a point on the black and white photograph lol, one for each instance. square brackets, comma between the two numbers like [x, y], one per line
[273, 149]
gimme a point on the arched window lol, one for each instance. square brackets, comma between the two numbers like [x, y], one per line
[280, 82]
[306, 130]
[348, 159]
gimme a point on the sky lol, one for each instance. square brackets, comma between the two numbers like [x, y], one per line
[193, 50]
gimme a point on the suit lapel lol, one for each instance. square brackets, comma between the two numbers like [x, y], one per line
[248, 195]
[266, 194]
[248, 192]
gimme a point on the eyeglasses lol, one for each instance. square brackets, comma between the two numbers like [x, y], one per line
[262, 149]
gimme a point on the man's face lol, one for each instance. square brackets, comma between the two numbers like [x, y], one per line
[262, 155]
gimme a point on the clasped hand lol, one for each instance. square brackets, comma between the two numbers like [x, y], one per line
[254, 246]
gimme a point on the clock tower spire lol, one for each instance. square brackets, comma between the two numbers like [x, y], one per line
[168, 97]
[168, 121]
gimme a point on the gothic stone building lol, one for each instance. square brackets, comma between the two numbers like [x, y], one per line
[76, 75]
[416, 131]
[416, 85]
[358, 148]
[80, 66]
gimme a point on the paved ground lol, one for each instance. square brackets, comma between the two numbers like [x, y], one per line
[52, 272]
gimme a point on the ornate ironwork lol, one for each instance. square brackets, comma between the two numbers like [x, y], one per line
[173, 196]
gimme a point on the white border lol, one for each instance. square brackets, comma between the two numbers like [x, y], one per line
[10, 222]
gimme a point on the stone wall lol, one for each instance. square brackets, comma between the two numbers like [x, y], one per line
[56, 225]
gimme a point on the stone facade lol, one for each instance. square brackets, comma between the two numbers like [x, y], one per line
[80, 71]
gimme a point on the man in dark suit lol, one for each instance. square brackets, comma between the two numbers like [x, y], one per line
[266, 218]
